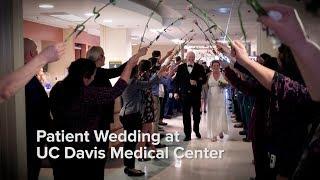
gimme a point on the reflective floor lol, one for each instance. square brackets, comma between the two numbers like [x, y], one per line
[235, 164]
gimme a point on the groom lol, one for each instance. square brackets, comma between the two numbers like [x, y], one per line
[188, 85]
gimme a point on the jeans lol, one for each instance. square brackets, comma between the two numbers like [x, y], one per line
[130, 123]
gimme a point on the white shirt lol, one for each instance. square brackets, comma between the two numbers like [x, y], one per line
[190, 68]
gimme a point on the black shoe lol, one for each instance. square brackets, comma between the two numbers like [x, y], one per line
[133, 172]
[160, 128]
[187, 139]
[240, 125]
[144, 159]
[198, 135]
[245, 140]
[242, 133]
[155, 156]
[160, 146]
[167, 117]
[163, 123]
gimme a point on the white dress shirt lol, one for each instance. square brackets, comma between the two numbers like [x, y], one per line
[190, 67]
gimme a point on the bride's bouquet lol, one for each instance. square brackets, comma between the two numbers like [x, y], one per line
[222, 84]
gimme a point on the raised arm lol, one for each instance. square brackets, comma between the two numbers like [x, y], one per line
[288, 90]
[14, 81]
[280, 86]
[249, 88]
[114, 72]
[126, 73]
[263, 74]
[154, 79]
[145, 84]
[289, 29]
[161, 61]
[102, 95]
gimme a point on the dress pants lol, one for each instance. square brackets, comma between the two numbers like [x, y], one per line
[33, 163]
[156, 108]
[130, 123]
[163, 102]
[168, 109]
[84, 169]
[191, 101]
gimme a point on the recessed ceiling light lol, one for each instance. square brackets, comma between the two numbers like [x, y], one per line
[107, 21]
[67, 17]
[222, 41]
[224, 10]
[89, 14]
[46, 6]
[177, 41]
[156, 30]
[135, 37]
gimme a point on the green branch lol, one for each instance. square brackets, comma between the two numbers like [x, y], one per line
[81, 27]
[147, 24]
[207, 17]
[165, 30]
[241, 22]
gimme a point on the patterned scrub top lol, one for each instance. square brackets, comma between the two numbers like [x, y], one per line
[148, 113]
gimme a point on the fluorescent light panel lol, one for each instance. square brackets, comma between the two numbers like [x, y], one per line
[177, 41]
[68, 17]
[46, 6]
[89, 14]
[107, 21]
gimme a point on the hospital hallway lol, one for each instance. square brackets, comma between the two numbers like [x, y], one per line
[235, 164]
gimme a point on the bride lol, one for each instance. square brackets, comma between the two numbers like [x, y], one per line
[217, 115]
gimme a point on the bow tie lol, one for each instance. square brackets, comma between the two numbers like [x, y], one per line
[190, 65]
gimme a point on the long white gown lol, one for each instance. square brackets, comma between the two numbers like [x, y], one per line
[216, 115]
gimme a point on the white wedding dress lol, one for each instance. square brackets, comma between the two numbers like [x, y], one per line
[216, 115]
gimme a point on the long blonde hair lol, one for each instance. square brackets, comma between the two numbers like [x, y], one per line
[94, 53]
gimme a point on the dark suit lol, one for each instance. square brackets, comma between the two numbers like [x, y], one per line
[101, 79]
[190, 95]
[106, 111]
[37, 118]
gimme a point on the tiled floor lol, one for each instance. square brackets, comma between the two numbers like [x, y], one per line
[235, 163]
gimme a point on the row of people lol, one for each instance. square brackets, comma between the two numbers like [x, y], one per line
[285, 106]
[286, 113]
